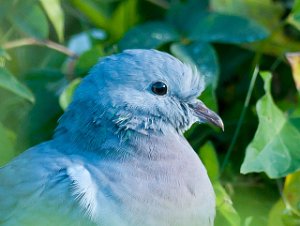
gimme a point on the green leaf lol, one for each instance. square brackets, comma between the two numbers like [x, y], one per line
[208, 96]
[33, 22]
[7, 141]
[9, 82]
[216, 27]
[209, 158]
[184, 15]
[275, 147]
[40, 122]
[202, 55]
[114, 21]
[294, 60]
[56, 16]
[124, 17]
[5, 8]
[294, 17]
[225, 208]
[67, 95]
[148, 36]
[4, 54]
[224, 205]
[88, 59]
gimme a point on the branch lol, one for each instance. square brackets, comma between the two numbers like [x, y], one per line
[48, 43]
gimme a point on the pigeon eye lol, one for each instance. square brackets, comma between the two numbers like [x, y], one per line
[159, 88]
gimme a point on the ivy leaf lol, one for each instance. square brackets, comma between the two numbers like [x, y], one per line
[202, 55]
[67, 95]
[294, 60]
[56, 16]
[148, 36]
[33, 22]
[222, 28]
[9, 82]
[275, 217]
[275, 147]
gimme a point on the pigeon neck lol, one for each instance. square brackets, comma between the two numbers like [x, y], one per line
[83, 126]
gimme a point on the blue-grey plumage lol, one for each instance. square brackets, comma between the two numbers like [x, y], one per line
[118, 156]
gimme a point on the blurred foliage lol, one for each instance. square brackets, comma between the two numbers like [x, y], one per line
[47, 46]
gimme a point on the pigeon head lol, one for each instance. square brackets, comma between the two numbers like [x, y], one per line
[146, 91]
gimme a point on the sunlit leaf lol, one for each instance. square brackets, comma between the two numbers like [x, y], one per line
[7, 141]
[93, 11]
[149, 35]
[278, 44]
[216, 27]
[67, 95]
[33, 22]
[9, 82]
[56, 16]
[275, 217]
[275, 147]
[265, 12]
[294, 60]
[202, 55]
[290, 219]
[291, 192]
[123, 18]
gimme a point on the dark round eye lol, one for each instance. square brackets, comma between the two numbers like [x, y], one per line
[159, 88]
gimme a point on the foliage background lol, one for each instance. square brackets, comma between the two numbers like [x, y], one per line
[247, 50]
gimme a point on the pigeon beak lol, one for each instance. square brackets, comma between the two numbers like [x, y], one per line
[206, 115]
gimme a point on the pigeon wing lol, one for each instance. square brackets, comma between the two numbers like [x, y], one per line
[40, 189]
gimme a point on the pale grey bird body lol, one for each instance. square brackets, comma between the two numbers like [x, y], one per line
[118, 157]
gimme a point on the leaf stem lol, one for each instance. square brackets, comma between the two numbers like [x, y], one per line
[241, 119]
[32, 41]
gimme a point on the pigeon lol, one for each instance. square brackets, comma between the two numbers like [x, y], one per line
[118, 156]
